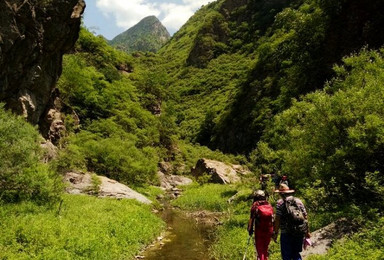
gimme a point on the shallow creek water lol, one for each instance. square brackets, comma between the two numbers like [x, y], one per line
[185, 238]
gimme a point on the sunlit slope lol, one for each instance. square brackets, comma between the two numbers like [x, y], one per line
[268, 52]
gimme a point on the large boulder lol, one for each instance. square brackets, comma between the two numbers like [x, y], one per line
[114, 189]
[34, 35]
[83, 183]
[219, 171]
[169, 181]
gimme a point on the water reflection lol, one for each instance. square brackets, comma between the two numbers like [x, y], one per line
[186, 239]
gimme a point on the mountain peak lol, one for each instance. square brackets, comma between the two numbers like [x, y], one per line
[147, 35]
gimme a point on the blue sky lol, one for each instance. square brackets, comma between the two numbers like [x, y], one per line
[112, 17]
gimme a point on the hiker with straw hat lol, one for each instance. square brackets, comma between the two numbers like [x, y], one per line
[292, 219]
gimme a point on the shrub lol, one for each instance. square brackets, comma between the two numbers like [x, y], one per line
[22, 175]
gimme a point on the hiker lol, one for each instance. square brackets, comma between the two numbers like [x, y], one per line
[264, 178]
[261, 223]
[291, 218]
[284, 180]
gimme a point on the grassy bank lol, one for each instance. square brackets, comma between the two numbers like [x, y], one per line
[85, 228]
[211, 197]
[231, 236]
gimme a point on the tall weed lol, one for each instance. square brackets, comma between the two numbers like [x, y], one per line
[83, 228]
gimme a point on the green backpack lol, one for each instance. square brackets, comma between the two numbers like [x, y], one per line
[296, 222]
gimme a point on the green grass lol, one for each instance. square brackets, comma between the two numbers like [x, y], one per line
[231, 237]
[367, 244]
[85, 228]
[151, 192]
[211, 197]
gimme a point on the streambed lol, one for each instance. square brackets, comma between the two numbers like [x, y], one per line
[185, 238]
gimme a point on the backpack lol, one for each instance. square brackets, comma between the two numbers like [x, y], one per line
[296, 222]
[264, 219]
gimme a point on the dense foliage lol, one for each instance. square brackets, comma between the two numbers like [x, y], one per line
[295, 86]
[285, 48]
[118, 135]
[291, 87]
[260, 78]
[127, 123]
[148, 35]
[335, 137]
[22, 174]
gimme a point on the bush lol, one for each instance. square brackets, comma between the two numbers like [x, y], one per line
[22, 175]
[114, 156]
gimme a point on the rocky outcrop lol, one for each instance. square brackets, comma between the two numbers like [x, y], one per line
[219, 172]
[52, 122]
[114, 189]
[79, 183]
[34, 35]
[50, 150]
[323, 238]
[169, 181]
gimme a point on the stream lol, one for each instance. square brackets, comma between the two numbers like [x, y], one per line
[185, 238]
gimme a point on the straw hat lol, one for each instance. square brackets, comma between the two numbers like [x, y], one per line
[283, 188]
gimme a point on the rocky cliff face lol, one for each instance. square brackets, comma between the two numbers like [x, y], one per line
[34, 35]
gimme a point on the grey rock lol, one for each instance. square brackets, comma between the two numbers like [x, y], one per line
[220, 172]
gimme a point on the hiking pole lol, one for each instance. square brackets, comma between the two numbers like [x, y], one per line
[246, 249]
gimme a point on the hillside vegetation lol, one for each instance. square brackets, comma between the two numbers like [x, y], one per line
[285, 87]
[287, 49]
[147, 35]
[296, 87]
[293, 85]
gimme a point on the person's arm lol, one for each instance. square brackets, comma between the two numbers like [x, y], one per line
[251, 221]
[250, 225]
[308, 234]
[276, 227]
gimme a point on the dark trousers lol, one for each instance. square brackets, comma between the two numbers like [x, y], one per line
[291, 246]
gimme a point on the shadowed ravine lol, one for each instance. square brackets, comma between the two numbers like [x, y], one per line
[184, 239]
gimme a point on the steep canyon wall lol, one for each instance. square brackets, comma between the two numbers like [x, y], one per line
[34, 35]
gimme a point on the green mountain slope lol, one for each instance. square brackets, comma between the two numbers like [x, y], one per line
[286, 87]
[285, 49]
[238, 70]
[148, 35]
[296, 86]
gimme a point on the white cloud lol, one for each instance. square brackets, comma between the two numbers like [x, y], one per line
[175, 15]
[129, 12]
[194, 4]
